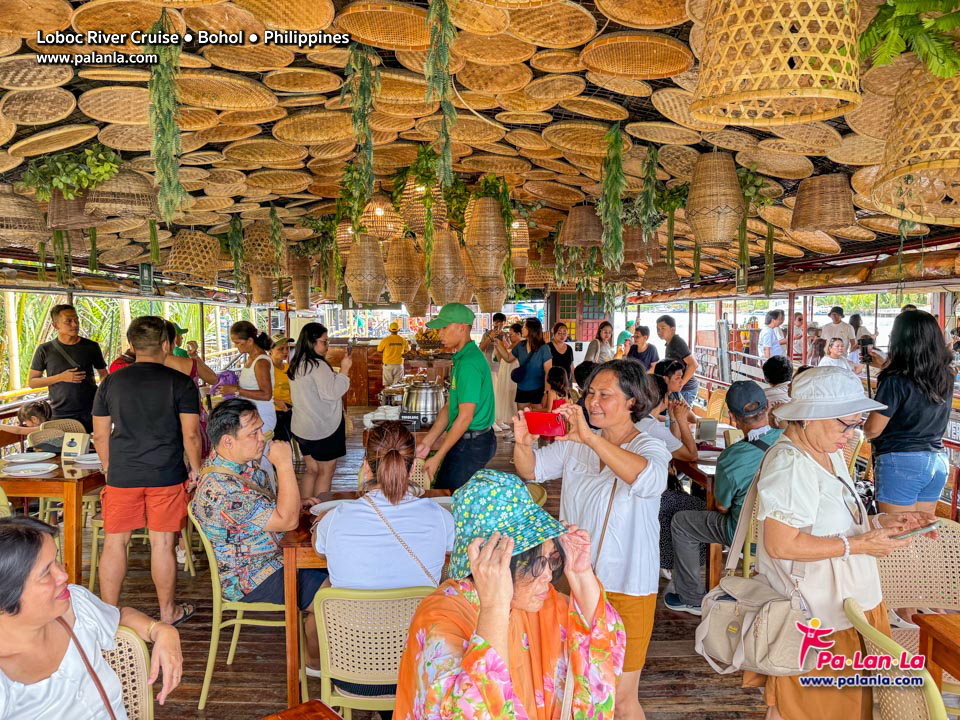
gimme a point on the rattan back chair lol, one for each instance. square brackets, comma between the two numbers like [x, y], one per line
[362, 635]
[38, 437]
[851, 451]
[538, 493]
[130, 660]
[418, 476]
[221, 604]
[896, 702]
[717, 404]
[65, 424]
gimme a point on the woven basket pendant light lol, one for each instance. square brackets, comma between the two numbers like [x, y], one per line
[520, 234]
[634, 245]
[824, 202]
[20, 219]
[126, 194]
[465, 295]
[380, 219]
[366, 275]
[922, 151]
[582, 228]
[413, 210]
[486, 243]
[715, 204]
[421, 302]
[403, 270]
[327, 281]
[194, 256]
[344, 238]
[446, 268]
[259, 252]
[261, 287]
[491, 299]
[299, 270]
[660, 276]
[778, 63]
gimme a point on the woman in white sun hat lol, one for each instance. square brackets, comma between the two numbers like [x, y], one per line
[809, 512]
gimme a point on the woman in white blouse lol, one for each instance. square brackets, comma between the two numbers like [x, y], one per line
[837, 357]
[612, 482]
[47, 626]
[810, 513]
[357, 537]
[316, 393]
[601, 349]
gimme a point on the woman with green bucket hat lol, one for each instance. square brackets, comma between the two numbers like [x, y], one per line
[496, 639]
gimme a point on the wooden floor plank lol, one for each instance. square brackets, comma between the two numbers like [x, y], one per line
[676, 682]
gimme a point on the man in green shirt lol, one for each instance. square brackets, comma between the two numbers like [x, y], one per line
[462, 435]
[178, 350]
[736, 468]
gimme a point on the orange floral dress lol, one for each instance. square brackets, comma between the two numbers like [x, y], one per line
[448, 671]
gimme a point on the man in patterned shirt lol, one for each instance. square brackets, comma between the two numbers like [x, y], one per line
[244, 519]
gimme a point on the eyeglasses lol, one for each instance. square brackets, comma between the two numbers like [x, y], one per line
[850, 427]
[539, 564]
[858, 516]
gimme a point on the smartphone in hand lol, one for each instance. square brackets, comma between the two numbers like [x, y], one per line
[919, 531]
[547, 424]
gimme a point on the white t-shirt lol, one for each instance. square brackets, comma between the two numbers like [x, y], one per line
[265, 408]
[316, 394]
[777, 394]
[828, 361]
[841, 330]
[769, 338]
[70, 692]
[362, 553]
[797, 491]
[629, 562]
[657, 429]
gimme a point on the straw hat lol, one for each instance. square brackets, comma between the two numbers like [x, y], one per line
[825, 393]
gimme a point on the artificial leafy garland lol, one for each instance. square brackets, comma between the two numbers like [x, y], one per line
[610, 203]
[696, 260]
[324, 246]
[423, 172]
[42, 259]
[276, 236]
[352, 198]
[58, 257]
[93, 264]
[456, 195]
[643, 212]
[496, 187]
[768, 262]
[362, 83]
[235, 246]
[69, 256]
[154, 243]
[166, 150]
[902, 24]
[750, 185]
[439, 85]
[70, 173]
[669, 200]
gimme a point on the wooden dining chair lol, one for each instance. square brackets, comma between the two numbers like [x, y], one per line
[313, 710]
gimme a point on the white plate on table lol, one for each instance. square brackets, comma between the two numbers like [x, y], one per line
[87, 459]
[321, 508]
[28, 457]
[708, 457]
[30, 470]
[444, 501]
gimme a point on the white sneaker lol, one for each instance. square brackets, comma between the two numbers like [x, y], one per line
[666, 574]
[181, 556]
[898, 622]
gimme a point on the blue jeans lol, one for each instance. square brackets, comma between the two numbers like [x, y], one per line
[690, 395]
[906, 478]
[464, 459]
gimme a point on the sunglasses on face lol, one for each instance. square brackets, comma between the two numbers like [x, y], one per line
[540, 563]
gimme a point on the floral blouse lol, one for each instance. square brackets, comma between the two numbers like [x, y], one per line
[448, 671]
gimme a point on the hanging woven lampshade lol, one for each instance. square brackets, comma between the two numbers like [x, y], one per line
[403, 270]
[261, 287]
[327, 281]
[491, 299]
[126, 194]
[63, 214]
[537, 277]
[299, 270]
[780, 63]
[421, 302]
[194, 257]
[824, 202]
[259, 251]
[626, 273]
[519, 257]
[715, 204]
[520, 234]
[660, 276]
[634, 245]
[582, 228]
[366, 275]
[20, 220]
[486, 243]
[922, 151]
[465, 295]
[380, 219]
[548, 256]
[344, 238]
[413, 210]
[446, 268]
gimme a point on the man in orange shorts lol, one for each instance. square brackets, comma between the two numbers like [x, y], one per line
[144, 419]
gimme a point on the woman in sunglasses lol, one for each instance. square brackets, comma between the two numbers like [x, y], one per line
[810, 513]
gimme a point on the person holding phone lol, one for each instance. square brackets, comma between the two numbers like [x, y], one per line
[809, 512]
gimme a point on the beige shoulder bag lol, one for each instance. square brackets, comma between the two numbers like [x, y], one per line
[403, 543]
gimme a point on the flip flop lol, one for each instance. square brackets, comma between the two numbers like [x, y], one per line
[188, 611]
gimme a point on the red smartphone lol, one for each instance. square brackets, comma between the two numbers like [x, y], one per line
[547, 424]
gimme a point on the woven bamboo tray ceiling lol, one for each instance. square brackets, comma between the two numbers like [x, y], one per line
[538, 84]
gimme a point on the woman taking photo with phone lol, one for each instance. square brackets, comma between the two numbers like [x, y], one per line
[534, 360]
[612, 482]
[316, 393]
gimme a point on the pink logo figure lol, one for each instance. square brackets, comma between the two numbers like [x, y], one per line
[813, 636]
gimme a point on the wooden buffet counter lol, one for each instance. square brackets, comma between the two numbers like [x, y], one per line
[366, 375]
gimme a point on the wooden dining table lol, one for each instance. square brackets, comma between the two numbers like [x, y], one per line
[940, 644]
[69, 482]
[298, 553]
[702, 475]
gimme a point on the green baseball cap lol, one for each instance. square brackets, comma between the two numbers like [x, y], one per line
[497, 501]
[452, 313]
[181, 330]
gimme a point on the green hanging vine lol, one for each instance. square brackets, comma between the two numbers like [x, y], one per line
[926, 27]
[235, 246]
[93, 265]
[768, 262]
[154, 243]
[276, 236]
[58, 257]
[361, 84]
[610, 204]
[439, 85]
[352, 198]
[697, 252]
[751, 184]
[669, 200]
[42, 270]
[496, 187]
[324, 246]
[644, 212]
[423, 172]
[166, 149]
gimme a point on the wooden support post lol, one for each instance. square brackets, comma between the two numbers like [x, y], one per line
[876, 315]
[803, 354]
[125, 317]
[691, 331]
[791, 300]
[203, 334]
[218, 331]
[13, 339]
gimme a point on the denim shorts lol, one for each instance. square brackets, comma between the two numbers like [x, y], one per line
[906, 478]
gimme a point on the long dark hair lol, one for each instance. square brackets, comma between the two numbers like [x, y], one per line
[245, 330]
[534, 334]
[21, 539]
[305, 358]
[856, 322]
[600, 327]
[918, 353]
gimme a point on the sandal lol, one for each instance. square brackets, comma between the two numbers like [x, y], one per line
[188, 611]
